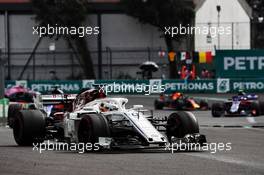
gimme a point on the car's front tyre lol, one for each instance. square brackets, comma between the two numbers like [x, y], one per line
[91, 127]
[158, 105]
[180, 124]
[255, 109]
[217, 110]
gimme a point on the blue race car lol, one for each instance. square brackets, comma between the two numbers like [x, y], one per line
[240, 105]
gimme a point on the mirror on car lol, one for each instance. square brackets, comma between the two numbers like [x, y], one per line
[137, 106]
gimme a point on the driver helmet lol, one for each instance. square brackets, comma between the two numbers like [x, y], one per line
[176, 95]
[241, 92]
[103, 107]
[57, 91]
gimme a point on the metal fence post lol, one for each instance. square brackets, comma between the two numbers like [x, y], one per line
[34, 67]
[2, 76]
[99, 45]
[111, 64]
[149, 52]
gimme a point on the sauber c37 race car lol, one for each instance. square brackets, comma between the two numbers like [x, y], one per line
[240, 105]
[179, 101]
[107, 123]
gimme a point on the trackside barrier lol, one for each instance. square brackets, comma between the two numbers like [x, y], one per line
[154, 86]
[3, 110]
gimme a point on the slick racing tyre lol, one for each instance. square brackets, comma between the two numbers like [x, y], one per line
[181, 123]
[13, 110]
[158, 104]
[217, 110]
[28, 127]
[255, 109]
[204, 105]
[261, 107]
[91, 127]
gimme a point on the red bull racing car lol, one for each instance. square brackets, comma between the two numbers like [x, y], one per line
[179, 101]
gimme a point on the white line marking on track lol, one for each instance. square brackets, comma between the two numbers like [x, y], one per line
[210, 98]
[227, 159]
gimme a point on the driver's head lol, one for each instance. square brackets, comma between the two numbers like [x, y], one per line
[56, 90]
[103, 108]
[178, 94]
[102, 105]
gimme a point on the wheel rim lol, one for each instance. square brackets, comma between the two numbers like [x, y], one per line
[173, 126]
[217, 111]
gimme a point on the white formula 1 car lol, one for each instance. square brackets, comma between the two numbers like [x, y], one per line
[107, 123]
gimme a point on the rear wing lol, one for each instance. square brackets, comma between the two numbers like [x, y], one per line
[245, 97]
[57, 98]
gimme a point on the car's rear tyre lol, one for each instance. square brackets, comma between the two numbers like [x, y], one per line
[204, 105]
[261, 107]
[255, 109]
[179, 104]
[28, 127]
[91, 127]
[180, 124]
[158, 105]
[217, 110]
[13, 110]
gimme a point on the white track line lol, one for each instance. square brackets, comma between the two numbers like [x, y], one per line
[227, 159]
[211, 98]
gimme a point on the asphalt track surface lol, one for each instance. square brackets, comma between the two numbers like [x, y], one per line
[245, 157]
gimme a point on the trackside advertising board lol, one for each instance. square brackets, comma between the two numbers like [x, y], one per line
[194, 86]
[148, 87]
[44, 86]
[239, 63]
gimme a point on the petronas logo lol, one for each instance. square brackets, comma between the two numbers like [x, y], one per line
[223, 85]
